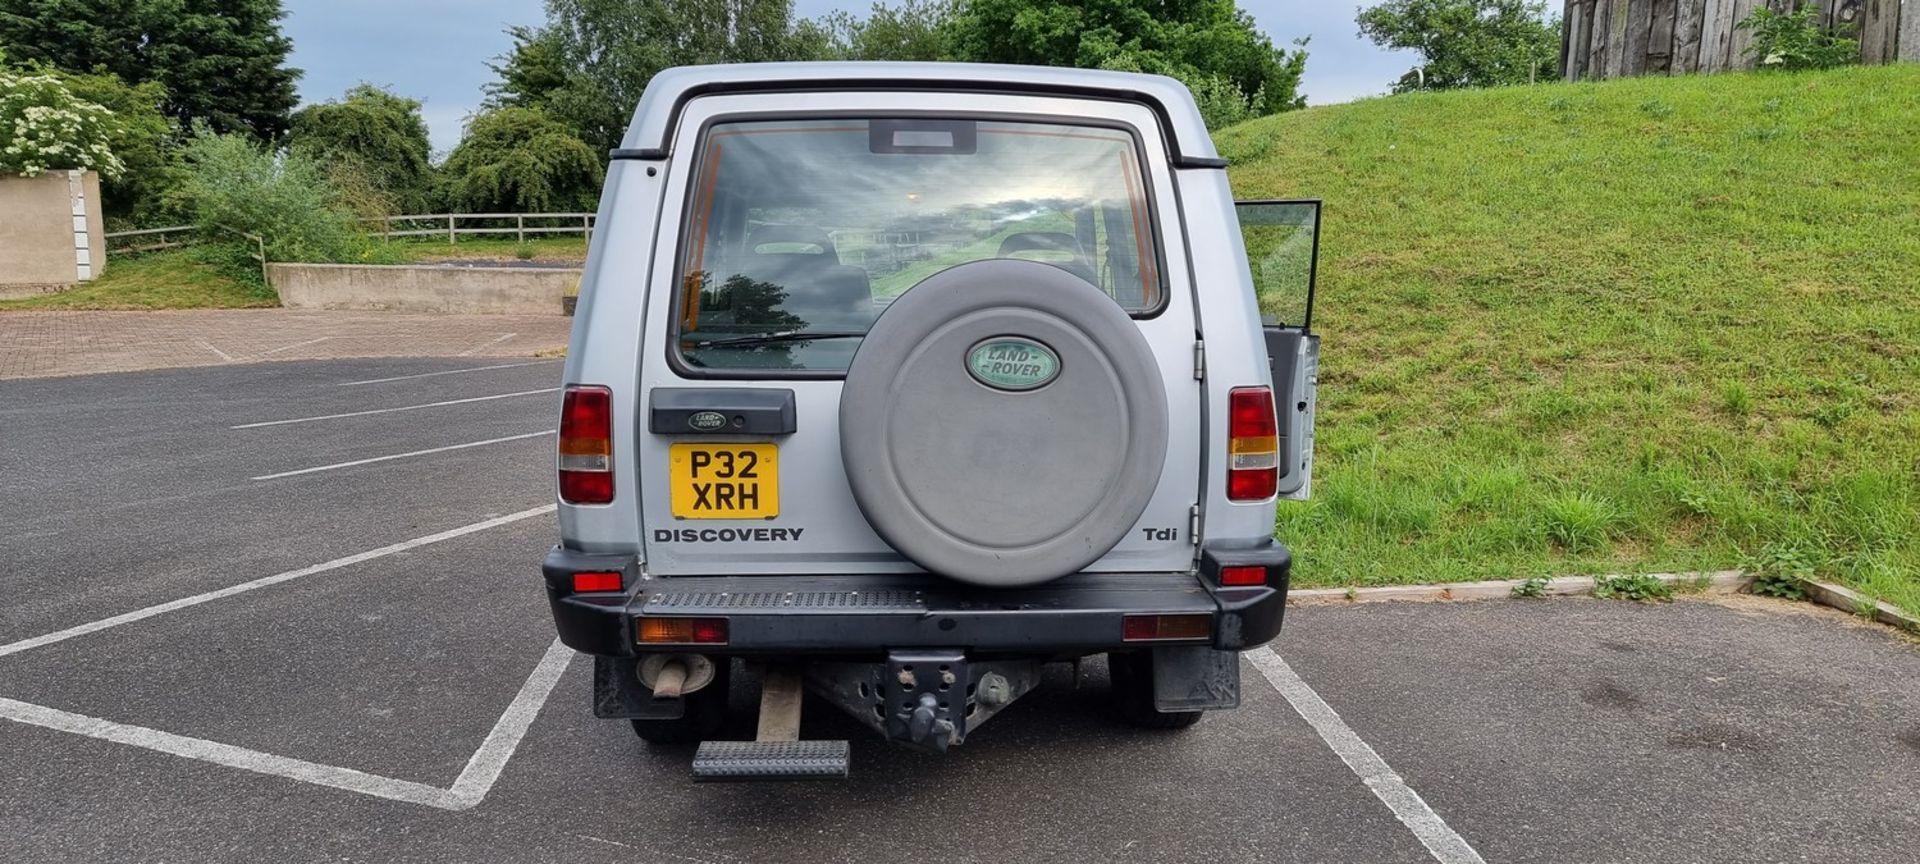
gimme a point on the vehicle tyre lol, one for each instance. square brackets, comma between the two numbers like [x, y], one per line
[706, 710]
[1132, 674]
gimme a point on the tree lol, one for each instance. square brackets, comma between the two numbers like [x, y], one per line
[915, 30]
[612, 48]
[146, 141]
[1467, 43]
[1209, 44]
[371, 134]
[233, 183]
[51, 129]
[222, 62]
[520, 160]
[530, 72]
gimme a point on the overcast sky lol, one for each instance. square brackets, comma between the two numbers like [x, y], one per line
[437, 50]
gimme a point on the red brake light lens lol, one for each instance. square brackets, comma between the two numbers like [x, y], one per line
[1243, 576]
[586, 445]
[584, 583]
[1253, 445]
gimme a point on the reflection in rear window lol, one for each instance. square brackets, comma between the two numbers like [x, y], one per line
[799, 232]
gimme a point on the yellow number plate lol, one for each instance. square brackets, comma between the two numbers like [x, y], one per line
[724, 481]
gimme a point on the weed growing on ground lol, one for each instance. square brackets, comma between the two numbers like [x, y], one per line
[1642, 588]
[1778, 571]
[1533, 586]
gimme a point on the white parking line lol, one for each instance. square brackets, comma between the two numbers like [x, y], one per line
[478, 348]
[488, 761]
[481, 772]
[209, 346]
[338, 465]
[434, 374]
[392, 410]
[1446, 846]
[295, 345]
[264, 581]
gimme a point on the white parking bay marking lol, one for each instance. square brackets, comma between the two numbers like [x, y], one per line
[445, 372]
[1446, 846]
[392, 410]
[339, 465]
[489, 344]
[482, 771]
[264, 581]
[488, 761]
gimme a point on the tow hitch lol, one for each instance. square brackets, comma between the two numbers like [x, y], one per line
[928, 700]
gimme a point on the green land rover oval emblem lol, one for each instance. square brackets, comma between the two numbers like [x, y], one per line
[1012, 363]
[707, 421]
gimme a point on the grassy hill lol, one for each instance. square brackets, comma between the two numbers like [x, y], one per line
[1634, 326]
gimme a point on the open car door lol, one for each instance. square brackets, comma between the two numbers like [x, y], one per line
[1283, 249]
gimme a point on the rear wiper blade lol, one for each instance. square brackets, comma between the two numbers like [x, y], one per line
[779, 336]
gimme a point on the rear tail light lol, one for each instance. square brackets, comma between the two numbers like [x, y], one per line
[683, 631]
[586, 446]
[585, 583]
[1234, 577]
[1165, 628]
[1253, 445]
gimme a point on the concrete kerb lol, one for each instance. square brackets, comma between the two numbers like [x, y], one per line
[1712, 582]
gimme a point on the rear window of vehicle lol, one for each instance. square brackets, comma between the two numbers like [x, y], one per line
[799, 232]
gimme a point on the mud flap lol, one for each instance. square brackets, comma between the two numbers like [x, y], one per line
[1195, 679]
[619, 695]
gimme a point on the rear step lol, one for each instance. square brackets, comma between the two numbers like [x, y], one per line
[741, 761]
[778, 754]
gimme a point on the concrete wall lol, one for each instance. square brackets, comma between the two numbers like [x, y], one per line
[50, 231]
[466, 290]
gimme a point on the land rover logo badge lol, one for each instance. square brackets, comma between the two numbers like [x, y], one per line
[707, 421]
[1012, 363]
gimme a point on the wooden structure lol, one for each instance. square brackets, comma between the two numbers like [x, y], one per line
[1617, 38]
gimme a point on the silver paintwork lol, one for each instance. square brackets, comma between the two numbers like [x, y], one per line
[625, 300]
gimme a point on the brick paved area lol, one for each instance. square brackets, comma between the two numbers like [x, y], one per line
[35, 344]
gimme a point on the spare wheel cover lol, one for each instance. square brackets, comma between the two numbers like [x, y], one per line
[975, 468]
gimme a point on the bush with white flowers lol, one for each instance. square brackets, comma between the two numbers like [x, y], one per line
[44, 127]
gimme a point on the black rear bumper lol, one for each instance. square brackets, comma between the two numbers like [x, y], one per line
[871, 614]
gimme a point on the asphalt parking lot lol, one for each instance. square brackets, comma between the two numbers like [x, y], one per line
[325, 640]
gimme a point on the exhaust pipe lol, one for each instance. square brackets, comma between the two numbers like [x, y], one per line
[671, 676]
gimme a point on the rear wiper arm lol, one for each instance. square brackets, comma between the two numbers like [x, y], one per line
[779, 336]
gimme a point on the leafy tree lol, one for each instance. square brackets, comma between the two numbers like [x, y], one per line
[222, 62]
[914, 30]
[51, 129]
[146, 141]
[1209, 44]
[520, 160]
[1467, 43]
[373, 136]
[611, 48]
[530, 72]
[285, 197]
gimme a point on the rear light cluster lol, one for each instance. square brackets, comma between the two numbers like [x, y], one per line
[1253, 445]
[586, 446]
[1166, 628]
[683, 631]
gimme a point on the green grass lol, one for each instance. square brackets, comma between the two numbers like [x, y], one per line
[1636, 326]
[173, 279]
[427, 250]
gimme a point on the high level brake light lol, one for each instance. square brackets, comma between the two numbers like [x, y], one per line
[586, 446]
[1253, 445]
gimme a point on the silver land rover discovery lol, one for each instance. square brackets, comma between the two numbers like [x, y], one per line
[895, 382]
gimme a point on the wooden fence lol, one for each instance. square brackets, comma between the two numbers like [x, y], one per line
[430, 225]
[1617, 38]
